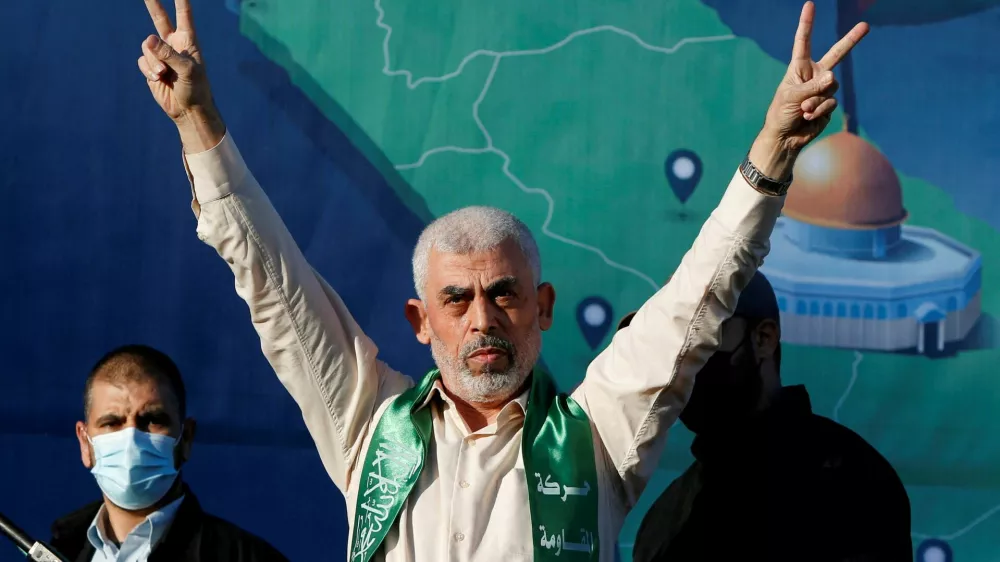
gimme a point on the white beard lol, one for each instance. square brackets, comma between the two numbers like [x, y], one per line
[489, 386]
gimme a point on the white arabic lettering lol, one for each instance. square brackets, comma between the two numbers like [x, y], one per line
[559, 542]
[549, 488]
[586, 543]
[383, 484]
[397, 458]
[555, 541]
[362, 543]
[571, 491]
[394, 463]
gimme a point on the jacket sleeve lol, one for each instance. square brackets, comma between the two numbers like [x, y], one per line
[312, 342]
[635, 389]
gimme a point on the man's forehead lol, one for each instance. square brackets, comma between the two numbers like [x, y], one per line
[505, 260]
[127, 394]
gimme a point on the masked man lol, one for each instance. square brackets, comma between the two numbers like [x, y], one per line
[483, 459]
[135, 439]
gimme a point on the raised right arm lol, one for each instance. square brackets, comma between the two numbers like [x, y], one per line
[316, 348]
[309, 337]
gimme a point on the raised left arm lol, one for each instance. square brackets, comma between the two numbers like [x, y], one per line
[636, 388]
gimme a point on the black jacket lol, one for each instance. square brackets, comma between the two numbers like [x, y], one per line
[194, 536]
[792, 486]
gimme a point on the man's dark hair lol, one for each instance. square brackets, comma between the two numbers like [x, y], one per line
[137, 362]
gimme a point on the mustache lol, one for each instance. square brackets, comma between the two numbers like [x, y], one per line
[487, 341]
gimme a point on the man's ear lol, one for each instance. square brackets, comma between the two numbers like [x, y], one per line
[86, 451]
[546, 302]
[766, 336]
[186, 441]
[416, 313]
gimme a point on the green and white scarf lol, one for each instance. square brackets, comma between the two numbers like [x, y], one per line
[560, 470]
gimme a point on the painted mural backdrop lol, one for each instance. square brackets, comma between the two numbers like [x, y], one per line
[610, 128]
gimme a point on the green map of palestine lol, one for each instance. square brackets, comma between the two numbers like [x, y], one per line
[563, 113]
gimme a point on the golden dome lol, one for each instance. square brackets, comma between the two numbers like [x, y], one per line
[844, 182]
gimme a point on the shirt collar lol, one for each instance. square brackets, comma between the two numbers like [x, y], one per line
[517, 405]
[152, 528]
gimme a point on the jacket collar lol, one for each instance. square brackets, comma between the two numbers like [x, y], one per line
[70, 532]
[151, 530]
[180, 543]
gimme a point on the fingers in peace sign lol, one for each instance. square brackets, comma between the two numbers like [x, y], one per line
[180, 38]
[171, 60]
[805, 100]
[802, 48]
[161, 19]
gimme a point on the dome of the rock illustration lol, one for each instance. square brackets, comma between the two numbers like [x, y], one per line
[842, 181]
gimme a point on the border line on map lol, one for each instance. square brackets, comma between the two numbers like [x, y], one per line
[551, 205]
[412, 84]
[975, 522]
[858, 358]
[490, 148]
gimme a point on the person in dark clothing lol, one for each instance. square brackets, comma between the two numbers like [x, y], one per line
[771, 480]
[194, 536]
[135, 438]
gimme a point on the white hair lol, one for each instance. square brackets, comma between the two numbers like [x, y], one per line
[472, 229]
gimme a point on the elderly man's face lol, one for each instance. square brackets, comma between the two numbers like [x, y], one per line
[483, 318]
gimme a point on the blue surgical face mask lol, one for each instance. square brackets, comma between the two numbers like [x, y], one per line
[134, 469]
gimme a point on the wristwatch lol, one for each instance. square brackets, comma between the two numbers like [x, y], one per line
[762, 183]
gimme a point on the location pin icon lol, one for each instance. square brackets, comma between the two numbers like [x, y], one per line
[934, 550]
[593, 314]
[683, 169]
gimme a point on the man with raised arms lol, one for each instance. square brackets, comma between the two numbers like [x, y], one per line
[483, 459]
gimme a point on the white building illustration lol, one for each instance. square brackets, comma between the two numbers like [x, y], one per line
[848, 273]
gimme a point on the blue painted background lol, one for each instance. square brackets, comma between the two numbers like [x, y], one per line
[100, 250]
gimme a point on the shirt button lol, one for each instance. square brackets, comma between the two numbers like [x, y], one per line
[459, 537]
[463, 484]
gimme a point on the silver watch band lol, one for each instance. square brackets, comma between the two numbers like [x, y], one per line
[762, 183]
